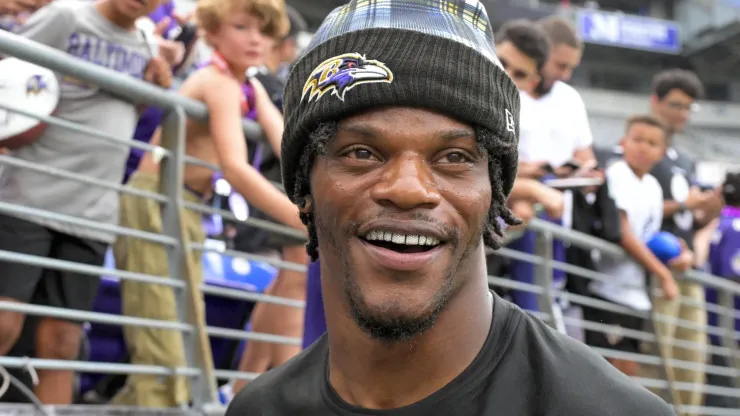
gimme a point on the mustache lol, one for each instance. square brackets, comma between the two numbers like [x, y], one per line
[453, 234]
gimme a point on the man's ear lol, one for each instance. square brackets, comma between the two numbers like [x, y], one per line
[307, 207]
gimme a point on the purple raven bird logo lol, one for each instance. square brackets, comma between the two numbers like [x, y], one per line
[35, 85]
[342, 73]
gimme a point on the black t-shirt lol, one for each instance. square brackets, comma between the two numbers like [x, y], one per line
[675, 174]
[524, 368]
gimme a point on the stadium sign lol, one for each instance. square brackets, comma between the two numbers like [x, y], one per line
[628, 31]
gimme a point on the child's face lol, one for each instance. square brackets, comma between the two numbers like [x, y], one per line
[134, 9]
[644, 146]
[241, 42]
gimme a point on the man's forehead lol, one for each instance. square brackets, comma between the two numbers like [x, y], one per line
[404, 122]
[677, 94]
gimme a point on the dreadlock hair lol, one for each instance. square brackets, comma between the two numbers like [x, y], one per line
[500, 155]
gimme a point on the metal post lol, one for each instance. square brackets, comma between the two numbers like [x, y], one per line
[189, 301]
[543, 273]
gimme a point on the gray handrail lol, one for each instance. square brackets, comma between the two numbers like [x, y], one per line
[132, 89]
[587, 241]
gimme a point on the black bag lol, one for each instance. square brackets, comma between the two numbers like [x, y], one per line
[600, 219]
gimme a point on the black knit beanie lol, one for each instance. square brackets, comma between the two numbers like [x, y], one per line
[432, 54]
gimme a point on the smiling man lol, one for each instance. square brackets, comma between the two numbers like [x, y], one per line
[400, 149]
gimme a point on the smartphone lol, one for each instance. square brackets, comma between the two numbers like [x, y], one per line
[572, 165]
[188, 34]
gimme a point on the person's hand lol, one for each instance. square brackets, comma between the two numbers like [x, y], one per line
[668, 284]
[183, 18]
[683, 262]
[534, 170]
[697, 198]
[158, 72]
[171, 51]
[4, 151]
[13, 7]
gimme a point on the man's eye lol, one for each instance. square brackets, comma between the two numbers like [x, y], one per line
[361, 154]
[455, 157]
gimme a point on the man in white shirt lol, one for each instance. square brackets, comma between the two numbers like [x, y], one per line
[555, 126]
[523, 49]
[554, 131]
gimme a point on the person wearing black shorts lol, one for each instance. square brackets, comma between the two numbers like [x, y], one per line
[33, 284]
[400, 149]
[614, 338]
[20, 282]
[58, 234]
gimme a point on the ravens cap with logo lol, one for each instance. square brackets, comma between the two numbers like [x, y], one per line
[433, 54]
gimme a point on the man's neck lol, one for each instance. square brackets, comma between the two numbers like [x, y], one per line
[373, 374]
[106, 9]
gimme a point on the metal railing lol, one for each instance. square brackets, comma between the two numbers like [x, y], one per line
[196, 332]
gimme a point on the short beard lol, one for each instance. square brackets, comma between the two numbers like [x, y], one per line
[541, 89]
[389, 329]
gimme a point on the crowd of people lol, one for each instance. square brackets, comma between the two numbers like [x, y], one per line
[631, 193]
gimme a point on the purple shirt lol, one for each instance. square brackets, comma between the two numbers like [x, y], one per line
[166, 10]
[724, 260]
[724, 251]
[151, 118]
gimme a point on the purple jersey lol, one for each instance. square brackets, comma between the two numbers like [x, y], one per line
[724, 251]
[314, 324]
[151, 118]
[163, 11]
[724, 259]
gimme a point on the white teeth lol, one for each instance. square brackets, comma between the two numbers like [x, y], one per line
[412, 240]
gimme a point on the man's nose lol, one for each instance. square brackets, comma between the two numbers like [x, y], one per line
[407, 183]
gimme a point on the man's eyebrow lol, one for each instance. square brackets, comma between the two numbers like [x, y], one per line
[370, 132]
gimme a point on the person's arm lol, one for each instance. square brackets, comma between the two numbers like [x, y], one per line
[702, 242]
[537, 192]
[639, 251]
[531, 170]
[693, 201]
[222, 96]
[12, 7]
[709, 210]
[268, 117]
[585, 157]
[685, 260]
